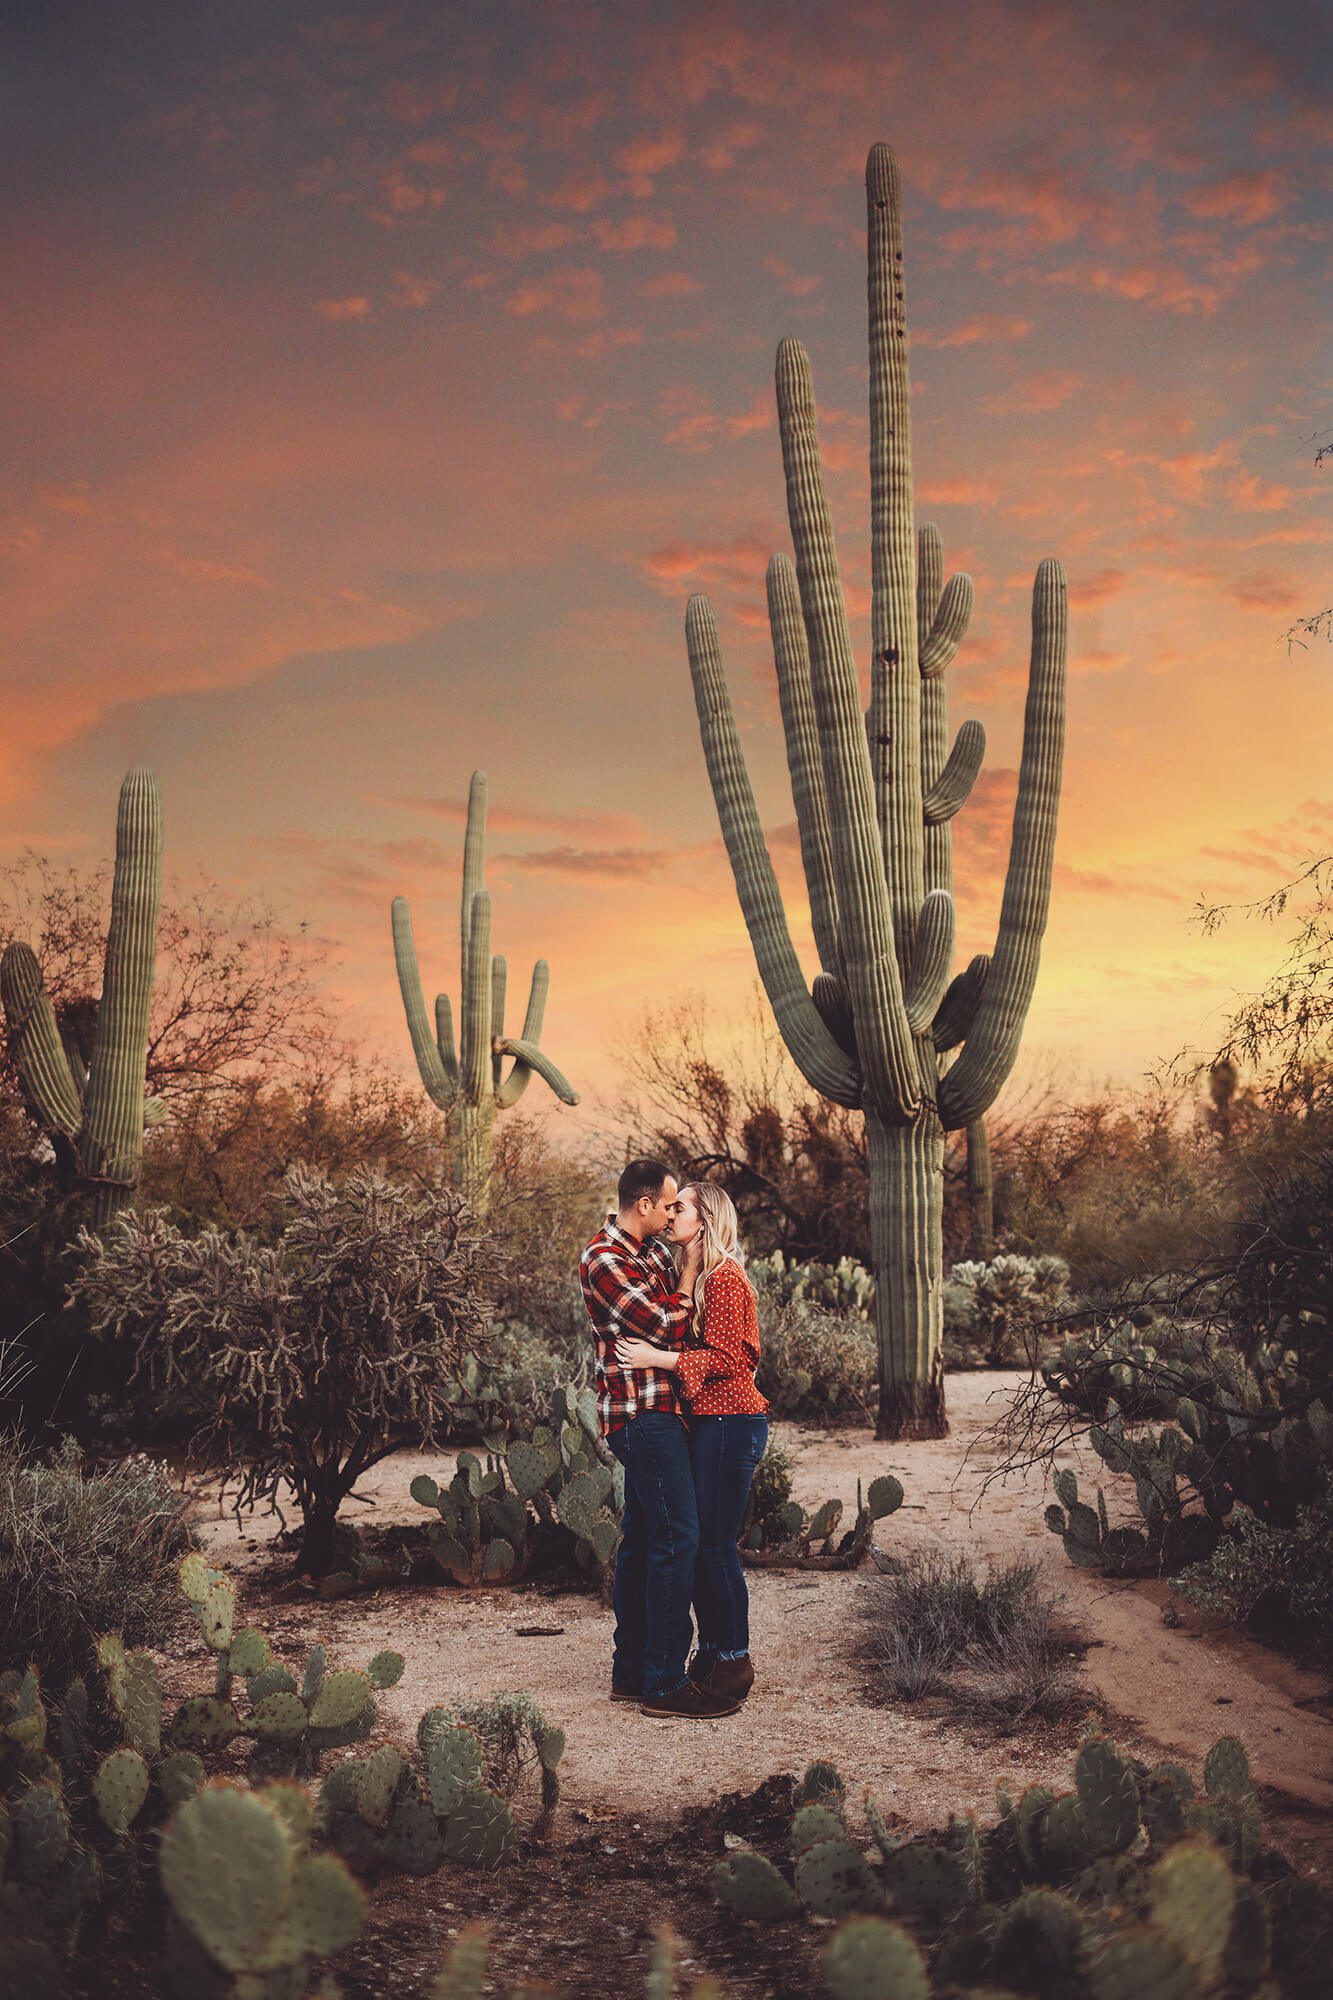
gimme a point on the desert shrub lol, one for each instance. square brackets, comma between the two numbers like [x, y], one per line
[318, 1352]
[82, 1553]
[990, 1641]
[817, 1365]
[845, 1287]
[994, 1311]
[1268, 1575]
[770, 1489]
[1282, 1287]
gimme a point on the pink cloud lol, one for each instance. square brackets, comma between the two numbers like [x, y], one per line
[1262, 590]
[1243, 198]
[524, 239]
[637, 232]
[573, 295]
[580, 191]
[1088, 593]
[1035, 396]
[343, 309]
[984, 327]
[644, 158]
[1253, 495]
[793, 282]
[670, 285]
[412, 293]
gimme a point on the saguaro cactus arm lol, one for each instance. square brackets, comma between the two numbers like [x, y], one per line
[948, 628]
[530, 1057]
[792, 660]
[41, 1056]
[439, 1077]
[971, 1086]
[958, 1008]
[932, 955]
[516, 1082]
[870, 965]
[499, 980]
[813, 1049]
[952, 788]
[444, 1037]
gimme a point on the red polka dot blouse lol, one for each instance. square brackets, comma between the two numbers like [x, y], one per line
[718, 1377]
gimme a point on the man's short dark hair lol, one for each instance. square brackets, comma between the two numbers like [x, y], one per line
[641, 1177]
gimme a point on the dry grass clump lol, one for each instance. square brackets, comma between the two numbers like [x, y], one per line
[989, 1646]
[82, 1554]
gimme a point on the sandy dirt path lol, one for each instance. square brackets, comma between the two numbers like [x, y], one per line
[1171, 1690]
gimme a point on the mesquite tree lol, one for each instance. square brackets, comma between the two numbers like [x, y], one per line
[310, 1356]
[470, 1086]
[874, 796]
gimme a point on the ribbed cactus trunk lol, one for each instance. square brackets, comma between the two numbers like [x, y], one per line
[95, 1117]
[875, 794]
[469, 1085]
[907, 1255]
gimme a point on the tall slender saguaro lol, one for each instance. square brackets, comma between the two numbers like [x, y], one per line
[470, 1085]
[882, 1027]
[95, 1114]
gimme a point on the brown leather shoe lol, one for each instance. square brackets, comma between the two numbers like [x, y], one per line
[626, 1694]
[701, 1667]
[731, 1679]
[688, 1702]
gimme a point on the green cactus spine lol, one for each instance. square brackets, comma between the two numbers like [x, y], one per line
[95, 1116]
[874, 799]
[469, 1084]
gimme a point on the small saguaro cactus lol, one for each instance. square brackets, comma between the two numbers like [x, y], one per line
[874, 797]
[470, 1085]
[94, 1112]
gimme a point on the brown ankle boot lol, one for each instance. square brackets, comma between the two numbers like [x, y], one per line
[731, 1679]
[688, 1702]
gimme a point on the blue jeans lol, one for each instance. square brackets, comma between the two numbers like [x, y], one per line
[724, 1452]
[655, 1566]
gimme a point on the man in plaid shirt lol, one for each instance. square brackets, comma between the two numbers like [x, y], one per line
[630, 1286]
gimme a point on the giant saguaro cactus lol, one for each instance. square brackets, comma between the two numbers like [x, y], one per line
[874, 797]
[469, 1086]
[95, 1114]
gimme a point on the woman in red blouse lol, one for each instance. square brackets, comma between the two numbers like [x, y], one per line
[728, 1428]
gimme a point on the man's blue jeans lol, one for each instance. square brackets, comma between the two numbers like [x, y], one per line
[725, 1452]
[656, 1562]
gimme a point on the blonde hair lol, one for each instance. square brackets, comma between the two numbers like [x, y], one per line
[719, 1236]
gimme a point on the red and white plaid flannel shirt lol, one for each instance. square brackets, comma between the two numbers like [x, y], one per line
[630, 1288]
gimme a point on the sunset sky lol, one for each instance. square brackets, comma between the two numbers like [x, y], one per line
[380, 379]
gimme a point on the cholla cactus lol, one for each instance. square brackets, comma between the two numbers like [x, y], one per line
[470, 1085]
[95, 1113]
[874, 798]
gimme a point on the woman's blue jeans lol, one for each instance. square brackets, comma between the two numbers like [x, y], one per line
[724, 1452]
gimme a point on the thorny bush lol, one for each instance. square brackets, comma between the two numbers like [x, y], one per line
[319, 1351]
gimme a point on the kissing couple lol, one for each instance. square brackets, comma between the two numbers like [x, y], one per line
[677, 1342]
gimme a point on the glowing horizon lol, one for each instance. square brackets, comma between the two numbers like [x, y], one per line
[383, 378]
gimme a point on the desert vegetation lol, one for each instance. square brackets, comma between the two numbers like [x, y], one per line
[290, 1345]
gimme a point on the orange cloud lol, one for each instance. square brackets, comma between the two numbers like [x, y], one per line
[1245, 197]
[343, 309]
[575, 296]
[987, 327]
